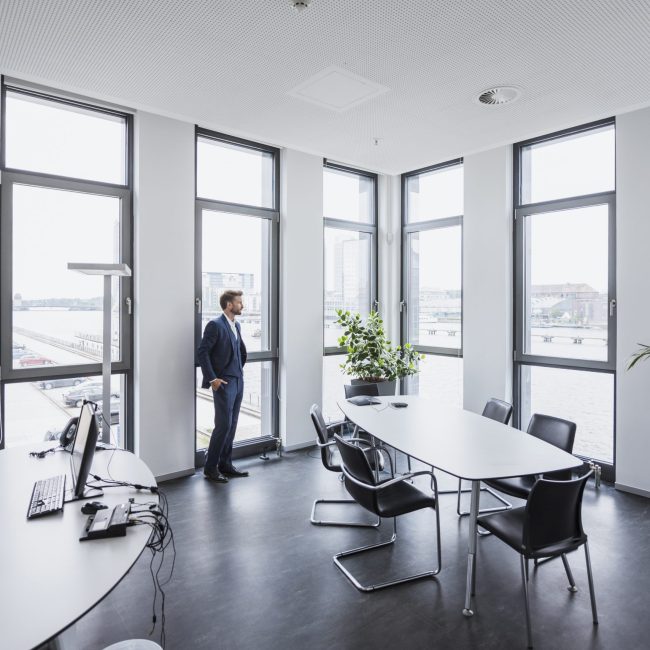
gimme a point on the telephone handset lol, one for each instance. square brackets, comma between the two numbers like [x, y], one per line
[66, 438]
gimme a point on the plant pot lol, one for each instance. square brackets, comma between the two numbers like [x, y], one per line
[384, 387]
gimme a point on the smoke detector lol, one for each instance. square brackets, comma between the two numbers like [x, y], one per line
[299, 5]
[498, 95]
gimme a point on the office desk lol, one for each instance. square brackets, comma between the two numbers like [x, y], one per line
[48, 578]
[460, 443]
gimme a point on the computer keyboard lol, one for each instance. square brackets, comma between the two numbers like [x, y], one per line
[47, 496]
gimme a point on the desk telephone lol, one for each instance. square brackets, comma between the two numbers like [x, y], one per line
[106, 523]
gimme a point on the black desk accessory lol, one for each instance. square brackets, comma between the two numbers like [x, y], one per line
[399, 405]
[107, 523]
[92, 507]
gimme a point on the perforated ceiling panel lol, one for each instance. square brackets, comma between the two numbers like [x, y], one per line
[229, 64]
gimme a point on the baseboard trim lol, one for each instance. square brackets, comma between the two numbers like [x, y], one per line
[170, 477]
[632, 490]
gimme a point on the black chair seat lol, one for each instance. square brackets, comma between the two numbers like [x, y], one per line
[402, 498]
[518, 486]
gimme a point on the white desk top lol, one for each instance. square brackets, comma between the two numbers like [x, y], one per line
[458, 442]
[48, 578]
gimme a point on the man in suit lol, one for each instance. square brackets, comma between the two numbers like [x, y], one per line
[222, 355]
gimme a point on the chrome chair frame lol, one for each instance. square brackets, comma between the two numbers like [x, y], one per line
[362, 549]
[332, 522]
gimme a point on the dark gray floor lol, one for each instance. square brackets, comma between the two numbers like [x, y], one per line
[251, 572]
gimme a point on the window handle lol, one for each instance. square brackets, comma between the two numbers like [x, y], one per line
[612, 306]
[402, 305]
[197, 302]
[129, 305]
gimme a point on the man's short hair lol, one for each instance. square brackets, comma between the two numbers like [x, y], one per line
[229, 296]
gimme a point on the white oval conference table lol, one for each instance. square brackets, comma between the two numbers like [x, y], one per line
[48, 578]
[461, 443]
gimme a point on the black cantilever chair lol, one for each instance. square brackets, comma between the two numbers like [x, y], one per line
[500, 411]
[548, 526]
[352, 390]
[331, 462]
[387, 498]
[555, 431]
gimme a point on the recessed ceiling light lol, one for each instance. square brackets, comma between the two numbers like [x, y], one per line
[498, 95]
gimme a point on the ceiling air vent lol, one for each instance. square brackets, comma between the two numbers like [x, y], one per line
[499, 95]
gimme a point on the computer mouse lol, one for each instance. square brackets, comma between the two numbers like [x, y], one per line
[92, 507]
[399, 405]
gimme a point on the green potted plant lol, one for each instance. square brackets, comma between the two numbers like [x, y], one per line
[371, 358]
[642, 353]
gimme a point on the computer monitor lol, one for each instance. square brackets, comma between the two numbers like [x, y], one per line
[83, 452]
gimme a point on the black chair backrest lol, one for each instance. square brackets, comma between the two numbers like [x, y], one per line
[557, 432]
[352, 390]
[321, 431]
[554, 513]
[498, 410]
[355, 463]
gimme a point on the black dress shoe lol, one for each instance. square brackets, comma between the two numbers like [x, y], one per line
[215, 476]
[233, 471]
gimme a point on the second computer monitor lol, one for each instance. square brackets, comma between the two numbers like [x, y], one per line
[83, 449]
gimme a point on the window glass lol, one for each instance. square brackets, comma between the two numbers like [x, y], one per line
[586, 398]
[348, 196]
[37, 412]
[233, 173]
[434, 301]
[578, 164]
[256, 414]
[57, 313]
[440, 379]
[51, 137]
[235, 255]
[434, 194]
[566, 292]
[347, 277]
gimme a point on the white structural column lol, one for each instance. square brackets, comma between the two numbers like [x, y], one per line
[389, 254]
[164, 294]
[633, 299]
[487, 278]
[301, 295]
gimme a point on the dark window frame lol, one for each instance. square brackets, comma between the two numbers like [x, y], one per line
[419, 226]
[371, 229]
[272, 214]
[520, 212]
[124, 192]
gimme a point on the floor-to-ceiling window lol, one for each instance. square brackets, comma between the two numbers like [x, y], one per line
[432, 278]
[350, 263]
[237, 219]
[66, 197]
[565, 283]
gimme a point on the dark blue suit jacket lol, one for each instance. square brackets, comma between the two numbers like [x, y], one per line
[217, 354]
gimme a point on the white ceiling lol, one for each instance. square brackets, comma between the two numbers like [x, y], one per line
[229, 65]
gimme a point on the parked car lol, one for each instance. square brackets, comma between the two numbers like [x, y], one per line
[19, 353]
[17, 346]
[48, 384]
[35, 360]
[90, 390]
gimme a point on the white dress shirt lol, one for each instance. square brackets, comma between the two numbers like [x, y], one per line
[232, 325]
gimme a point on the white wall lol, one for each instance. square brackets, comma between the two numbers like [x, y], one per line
[487, 278]
[633, 299]
[301, 295]
[164, 294]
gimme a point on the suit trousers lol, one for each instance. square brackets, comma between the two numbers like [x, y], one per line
[227, 402]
